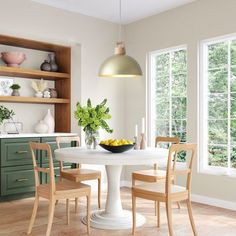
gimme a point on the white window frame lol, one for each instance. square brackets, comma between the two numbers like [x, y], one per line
[150, 91]
[203, 110]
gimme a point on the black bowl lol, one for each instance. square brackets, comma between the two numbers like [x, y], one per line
[117, 149]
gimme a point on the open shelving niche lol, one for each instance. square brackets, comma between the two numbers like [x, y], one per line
[62, 78]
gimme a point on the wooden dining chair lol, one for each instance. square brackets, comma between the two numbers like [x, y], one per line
[156, 175]
[55, 191]
[168, 192]
[78, 174]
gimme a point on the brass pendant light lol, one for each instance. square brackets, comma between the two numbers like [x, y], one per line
[120, 65]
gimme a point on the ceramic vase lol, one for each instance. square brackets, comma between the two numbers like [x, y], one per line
[52, 61]
[38, 94]
[45, 66]
[41, 127]
[49, 121]
[15, 92]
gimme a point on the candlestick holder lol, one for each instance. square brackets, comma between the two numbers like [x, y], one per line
[136, 147]
[143, 141]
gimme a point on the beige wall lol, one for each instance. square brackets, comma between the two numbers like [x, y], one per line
[92, 40]
[185, 25]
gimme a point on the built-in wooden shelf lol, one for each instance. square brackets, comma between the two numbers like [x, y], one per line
[32, 74]
[62, 78]
[34, 100]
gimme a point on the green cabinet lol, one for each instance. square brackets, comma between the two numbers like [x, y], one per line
[16, 151]
[18, 179]
[16, 167]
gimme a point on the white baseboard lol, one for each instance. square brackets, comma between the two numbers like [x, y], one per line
[200, 199]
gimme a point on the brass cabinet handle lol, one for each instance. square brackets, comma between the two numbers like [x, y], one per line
[21, 179]
[21, 152]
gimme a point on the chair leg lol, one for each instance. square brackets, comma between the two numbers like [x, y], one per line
[190, 214]
[158, 214]
[99, 192]
[68, 211]
[32, 220]
[155, 203]
[134, 213]
[50, 216]
[76, 205]
[169, 217]
[133, 180]
[88, 213]
[178, 205]
[56, 202]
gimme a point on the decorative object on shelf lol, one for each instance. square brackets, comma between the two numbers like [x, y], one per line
[136, 147]
[15, 90]
[143, 139]
[143, 142]
[49, 121]
[5, 114]
[46, 94]
[53, 92]
[52, 62]
[45, 66]
[13, 127]
[41, 127]
[92, 118]
[39, 87]
[13, 59]
[120, 65]
[5, 85]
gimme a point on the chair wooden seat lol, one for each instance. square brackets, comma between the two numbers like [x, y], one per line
[168, 192]
[79, 174]
[151, 175]
[63, 188]
[156, 175]
[158, 191]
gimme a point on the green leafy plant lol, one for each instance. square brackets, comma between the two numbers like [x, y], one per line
[15, 86]
[93, 118]
[5, 114]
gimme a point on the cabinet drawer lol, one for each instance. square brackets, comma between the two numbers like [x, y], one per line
[18, 179]
[16, 152]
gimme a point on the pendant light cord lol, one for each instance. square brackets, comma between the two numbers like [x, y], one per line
[120, 40]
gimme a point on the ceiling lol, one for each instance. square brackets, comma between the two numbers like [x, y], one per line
[132, 10]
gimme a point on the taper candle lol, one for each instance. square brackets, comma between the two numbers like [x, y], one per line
[143, 126]
[136, 131]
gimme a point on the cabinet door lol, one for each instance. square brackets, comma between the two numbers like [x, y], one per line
[19, 179]
[17, 152]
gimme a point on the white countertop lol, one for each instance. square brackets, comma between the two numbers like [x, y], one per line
[29, 135]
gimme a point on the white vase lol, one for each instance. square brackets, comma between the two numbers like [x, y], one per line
[49, 121]
[38, 94]
[41, 127]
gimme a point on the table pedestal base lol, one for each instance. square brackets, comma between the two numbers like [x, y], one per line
[102, 220]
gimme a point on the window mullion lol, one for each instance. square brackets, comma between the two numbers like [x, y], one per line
[229, 105]
[170, 93]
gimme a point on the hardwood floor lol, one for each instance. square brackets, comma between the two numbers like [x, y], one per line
[210, 221]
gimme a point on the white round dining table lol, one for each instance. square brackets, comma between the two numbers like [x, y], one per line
[113, 216]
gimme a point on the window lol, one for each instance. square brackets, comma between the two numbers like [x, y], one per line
[218, 106]
[167, 89]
